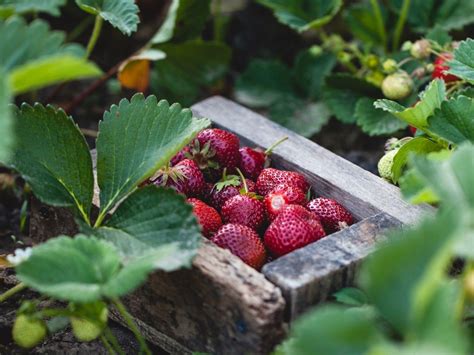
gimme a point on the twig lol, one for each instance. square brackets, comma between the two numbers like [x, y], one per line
[89, 132]
[400, 24]
[11, 292]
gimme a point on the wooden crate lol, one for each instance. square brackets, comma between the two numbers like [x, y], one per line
[223, 306]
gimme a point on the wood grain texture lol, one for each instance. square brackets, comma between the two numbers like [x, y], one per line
[360, 191]
[312, 274]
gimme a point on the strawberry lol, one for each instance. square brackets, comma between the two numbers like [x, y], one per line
[242, 242]
[181, 155]
[185, 177]
[281, 196]
[244, 208]
[269, 178]
[412, 130]
[253, 161]
[331, 213]
[229, 186]
[397, 86]
[207, 217]
[293, 228]
[441, 68]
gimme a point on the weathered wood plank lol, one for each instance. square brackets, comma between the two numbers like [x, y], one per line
[360, 191]
[310, 275]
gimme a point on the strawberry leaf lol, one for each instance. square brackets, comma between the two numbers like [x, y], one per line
[50, 7]
[417, 116]
[373, 122]
[6, 123]
[122, 14]
[463, 63]
[58, 167]
[50, 70]
[136, 138]
[453, 121]
[360, 19]
[150, 221]
[303, 15]
[185, 21]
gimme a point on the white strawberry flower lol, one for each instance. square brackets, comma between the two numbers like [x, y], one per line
[19, 256]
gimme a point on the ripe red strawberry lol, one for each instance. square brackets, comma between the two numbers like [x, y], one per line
[281, 196]
[245, 210]
[270, 178]
[293, 228]
[441, 68]
[253, 161]
[412, 130]
[207, 217]
[181, 155]
[331, 213]
[185, 177]
[227, 187]
[242, 242]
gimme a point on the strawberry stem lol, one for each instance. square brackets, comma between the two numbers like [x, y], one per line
[244, 182]
[274, 145]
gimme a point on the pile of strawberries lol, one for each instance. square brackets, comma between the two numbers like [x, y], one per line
[255, 211]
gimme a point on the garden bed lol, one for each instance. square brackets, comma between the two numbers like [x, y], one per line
[222, 305]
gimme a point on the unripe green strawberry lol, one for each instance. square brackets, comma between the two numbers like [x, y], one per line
[390, 66]
[385, 165]
[421, 49]
[28, 332]
[397, 86]
[87, 330]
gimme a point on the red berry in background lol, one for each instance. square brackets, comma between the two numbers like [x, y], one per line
[331, 213]
[253, 161]
[223, 147]
[185, 177]
[292, 229]
[229, 186]
[243, 242]
[412, 130]
[181, 155]
[207, 217]
[441, 68]
[281, 196]
[244, 210]
[270, 178]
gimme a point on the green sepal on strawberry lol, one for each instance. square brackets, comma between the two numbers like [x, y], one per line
[293, 228]
[281, 196]
[228, 186]
[243, 242]
[208, 218]
[331, 213]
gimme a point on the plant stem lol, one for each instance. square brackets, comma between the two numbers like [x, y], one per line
[218, 23]
[107, 344]
[379, 22]
[95, 35]
[131, 324]
[79, 29]
[110, 337]
[14, 290]
[400, 24]
[274, 145]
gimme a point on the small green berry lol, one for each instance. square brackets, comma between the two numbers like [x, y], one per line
[372, 61]
[389, 66]
[28, 332]
[397, 86]
[421, 49]
[385, 165]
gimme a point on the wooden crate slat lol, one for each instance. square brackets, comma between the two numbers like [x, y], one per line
[360, 191]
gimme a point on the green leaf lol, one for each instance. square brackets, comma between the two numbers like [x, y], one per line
[6, 122]
[334, 330]
[300, 116]
[309, 72]
[154, 227]
[185, 21]
[303, 15]
[52, 156]
[374, 122]
[439, 35]
[187, 68]
[70, 269]
[50, 70]
[22, 43]
[454, 14]
[361, 21]
[351, 296]
[417, 145]
[415, 190]
[400, 285]
[463, 63]
[453, 122]
[417, 115]
[122, 14]
[343, 91]
[50, 7]
[136, 138]
[83, 269]
[263, 83]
